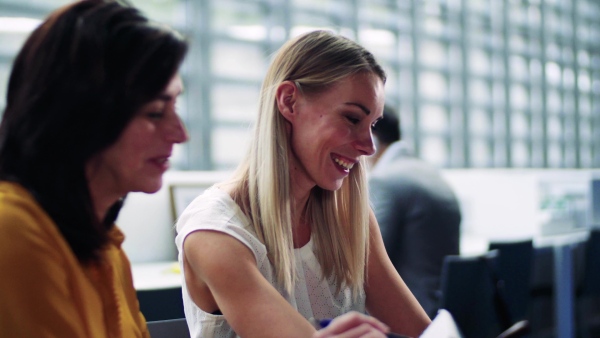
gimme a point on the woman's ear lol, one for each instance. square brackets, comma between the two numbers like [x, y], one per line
[286, 96]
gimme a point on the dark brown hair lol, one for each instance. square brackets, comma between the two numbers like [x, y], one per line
[75, 85]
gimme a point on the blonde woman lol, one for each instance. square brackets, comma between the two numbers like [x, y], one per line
[291, 237]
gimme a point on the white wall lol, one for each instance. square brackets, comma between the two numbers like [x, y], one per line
[496, 203]
[148, 222]
[505, 204]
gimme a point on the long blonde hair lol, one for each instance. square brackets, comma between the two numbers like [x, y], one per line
[339, 219]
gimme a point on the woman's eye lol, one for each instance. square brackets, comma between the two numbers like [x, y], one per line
[155, 115]
[352, 120]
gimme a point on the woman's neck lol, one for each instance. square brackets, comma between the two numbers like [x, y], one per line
[101, 202]
[300, 224]
[103, 197]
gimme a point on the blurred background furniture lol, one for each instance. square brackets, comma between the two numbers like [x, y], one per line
[158, 287]
[171, 328]
[161, 304]
[472, 293]
[541, 298]
[587, 294]
[514, 270]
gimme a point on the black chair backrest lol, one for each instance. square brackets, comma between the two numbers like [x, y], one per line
[470, 293]
[171, 328]
[514, 269]
[161, 304]
[591, 269]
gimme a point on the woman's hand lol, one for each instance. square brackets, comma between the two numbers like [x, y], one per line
[353, 324]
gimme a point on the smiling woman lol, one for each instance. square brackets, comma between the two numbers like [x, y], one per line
[90, 116]
[291, 236]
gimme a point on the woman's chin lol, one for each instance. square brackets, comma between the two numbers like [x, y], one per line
[332, 186]
[150, 187]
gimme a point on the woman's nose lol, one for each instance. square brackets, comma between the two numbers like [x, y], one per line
[176, 131]
[365, 144]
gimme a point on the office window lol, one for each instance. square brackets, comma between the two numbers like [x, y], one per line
[482, 83]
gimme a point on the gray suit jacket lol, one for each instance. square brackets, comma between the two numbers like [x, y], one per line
[419, 217]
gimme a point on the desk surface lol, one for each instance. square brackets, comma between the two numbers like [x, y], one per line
[157, 275]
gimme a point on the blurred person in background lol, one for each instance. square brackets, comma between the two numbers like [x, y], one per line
[291, 237]
[90, 117]
[416, 209]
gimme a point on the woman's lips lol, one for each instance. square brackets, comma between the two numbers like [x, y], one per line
[161, 162]
[344, 164]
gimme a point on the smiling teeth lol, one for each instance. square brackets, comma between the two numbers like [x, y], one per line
[344, 164]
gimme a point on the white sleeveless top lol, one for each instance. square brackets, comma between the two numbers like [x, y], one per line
[313, 296]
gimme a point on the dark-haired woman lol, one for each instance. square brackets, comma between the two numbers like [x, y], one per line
[90, 116]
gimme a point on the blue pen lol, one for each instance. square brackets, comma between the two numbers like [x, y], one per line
[324, 322]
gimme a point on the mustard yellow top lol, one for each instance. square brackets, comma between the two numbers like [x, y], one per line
[46, 292]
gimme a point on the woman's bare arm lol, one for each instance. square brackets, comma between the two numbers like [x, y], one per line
[388, 297]
[224, 275]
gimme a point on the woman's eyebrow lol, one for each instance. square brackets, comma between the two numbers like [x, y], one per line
[363, 108]
[168, 97]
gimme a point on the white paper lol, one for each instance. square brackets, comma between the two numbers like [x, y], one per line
[442, 326]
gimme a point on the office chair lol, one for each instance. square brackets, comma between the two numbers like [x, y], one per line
[542, 317]
[514, 269]
[473, 295]
[541, 297]
[588, 292]
[171, 328]
[161, 304]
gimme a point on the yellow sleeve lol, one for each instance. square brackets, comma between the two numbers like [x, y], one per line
[34, 287]
[129, 292]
